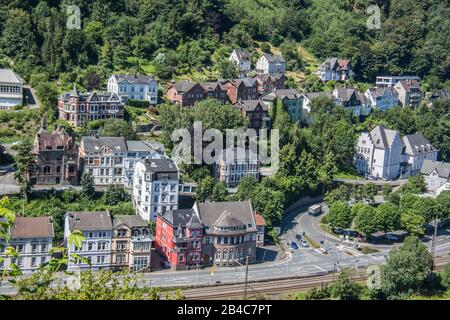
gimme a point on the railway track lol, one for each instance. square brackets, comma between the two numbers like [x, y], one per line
[255, 289]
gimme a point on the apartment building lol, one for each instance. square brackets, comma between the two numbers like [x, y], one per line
[134, 87]
[417, 150]
[11, 89]
[155, 187]
[80, 108]
[409, 94]
[391, 81]
[32, 238]
[97, 228]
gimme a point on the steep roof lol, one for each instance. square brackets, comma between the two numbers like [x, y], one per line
[89, 220]
[417, 144]
[134, 79]
[274, 58]
[248, 82]
[381, 91]
[313, 95]
[410, 85]
[179, 217]
[58, 140]
[94, 144]
[9, 76]
[242, 54]
[135, 145]
[32, 227]
[382, 138]
[212, 86]
[442, 168]
[222, 213]
[184, 85]
[94, 97]
[259, 220]
[251, 105]
[130, 221]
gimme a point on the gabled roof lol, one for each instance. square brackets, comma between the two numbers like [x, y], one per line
[242, 54]
[212, 86]
[381, 91]
[442, 168]
[95, 144]
[139, 146]
[89, 220]
[185, 85]
[259, 220]
[32, 227]
[274, 58]
[345, 94]
[409, 85]
[247, 82]
[9, 76]
[232, 213]
[251, 105]
[313, 95]
[416, 144]
[131, 221]
[334, 64]
[382, 138]
[134, 79]
[58, 140]
[179, 217]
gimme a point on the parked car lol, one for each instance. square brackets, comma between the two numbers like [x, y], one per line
[165, 264]
[315, 210]
[338, 231]
[392, 237]
[304, 244]
[294, 245]
[299, 237]
[350, 233]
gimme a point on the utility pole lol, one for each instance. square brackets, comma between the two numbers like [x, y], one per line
[246, 278]
[433, 242]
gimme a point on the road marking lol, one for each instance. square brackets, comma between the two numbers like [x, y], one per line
[321, 269]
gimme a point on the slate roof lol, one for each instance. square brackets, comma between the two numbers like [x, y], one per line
[250, 105]
[223, 213]
[242, 54]
[416, 144]
[94, 144]
[9, 76]
[32, 227]
[248, 82]
[99, 97]
[130, 221]
[89, 220]
[442, 168]
[134, 79]
[382, 138]
[58, 140]
[159, 165]
[313, 95]
[410, 85]
[290, 94]
[274, 58]
[184, 85]
[332, 64]
[179, 217]
[212, 86]
[135, 145]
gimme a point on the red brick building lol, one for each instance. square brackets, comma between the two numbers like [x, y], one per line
[269, 82]
[80, 108]
[241, 89]
[216, 90]
[185, 93]
[256, 112]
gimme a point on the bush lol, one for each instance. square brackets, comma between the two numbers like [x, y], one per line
[138, 103]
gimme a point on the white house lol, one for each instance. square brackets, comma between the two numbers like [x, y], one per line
[155, 187]
[270, 64]
[234, 164]
[241, 58]
[335, 69]
[436, 175]
[32, 237]
[350, 99]
[306, 103]
[379, 153]
[417, 150]
[382, 98]
[11, 89]
[134, 87]
[97, 228]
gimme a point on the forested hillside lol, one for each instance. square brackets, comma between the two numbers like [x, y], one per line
[172, 37]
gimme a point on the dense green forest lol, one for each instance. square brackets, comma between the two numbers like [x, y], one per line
[168, 37]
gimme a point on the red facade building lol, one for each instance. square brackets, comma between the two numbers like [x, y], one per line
[242, 89]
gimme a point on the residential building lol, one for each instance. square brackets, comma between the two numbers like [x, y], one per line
[155, 187]
[80, 108]
[229, 232]
[134, 87]
[32, 238]
[56, 158]
[307, 98]
[216, 90]
[211, 233]
[271, 64]
[390, 81]
[231, 165]
[111, 160]
[241, 89]
[438, 95]
[382, 98]
[335, 69]
[417, 150]
[136, 151]
[131, 246]
[256, 112]
[261, 230]
[269, 82]
[185, 93]
[436, 175]
[409, 94]
[291, 99]
[11, 89]
[97, 228]
[379, 153]
[241, 58]
[350, 99]
[179, 235]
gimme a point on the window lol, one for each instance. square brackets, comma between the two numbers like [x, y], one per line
[34, 248]
[19, 248]
[101, 246]
[33, 262]
[101, 259]
[90, 246]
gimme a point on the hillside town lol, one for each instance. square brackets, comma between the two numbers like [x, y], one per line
[91, 178]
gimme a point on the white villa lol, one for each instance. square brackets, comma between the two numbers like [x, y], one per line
[134, 87]
[11, 89]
